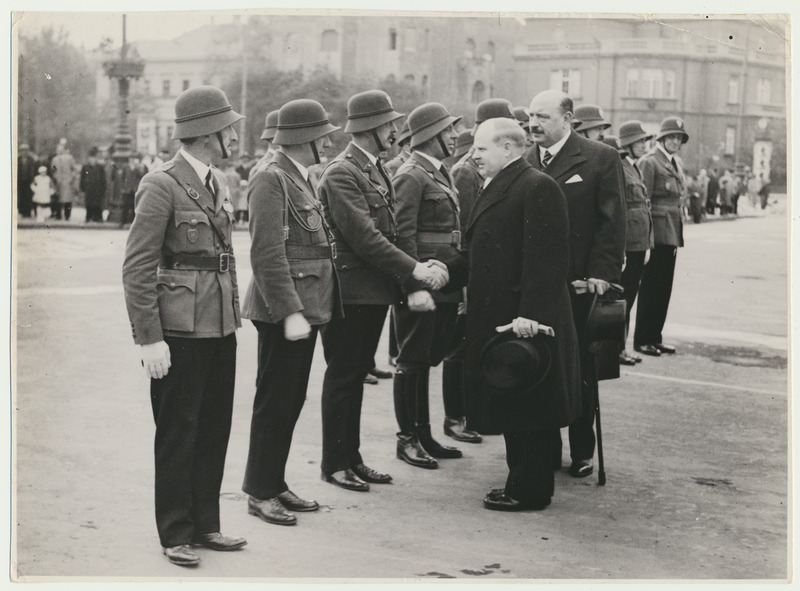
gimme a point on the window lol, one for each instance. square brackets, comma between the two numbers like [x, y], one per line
[566, 80]
[730, 140]
[478, 92]
[469, 49]
[410, 40]
[165, 89]
[733, 90]
[764, 91]
[330, 40]
[651, 83]
[392, 39]
[185, 85]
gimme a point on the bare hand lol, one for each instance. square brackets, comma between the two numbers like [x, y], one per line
[156, 359]
[526, 328]
[431, 274]
[421, 301]
[597, 285]
[296, 327]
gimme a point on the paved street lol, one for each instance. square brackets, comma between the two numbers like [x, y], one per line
[696, 445]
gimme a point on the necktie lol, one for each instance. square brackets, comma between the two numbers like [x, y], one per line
[382, 171]
[674, 164]
[446, 174]
[210, 185]
[636, 168]
[546, 158]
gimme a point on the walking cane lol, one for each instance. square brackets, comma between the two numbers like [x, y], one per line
[601, 470]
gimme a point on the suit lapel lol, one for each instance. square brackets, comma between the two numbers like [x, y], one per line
[568, 157]
[495, 191]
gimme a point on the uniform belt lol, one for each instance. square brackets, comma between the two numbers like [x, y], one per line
[190, 262]
[311, 251]
[453, 238]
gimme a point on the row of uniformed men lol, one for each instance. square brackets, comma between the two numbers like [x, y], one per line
[335, 259]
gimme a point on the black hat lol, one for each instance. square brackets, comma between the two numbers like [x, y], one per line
[590, 117]
[514, 365]
[492, 109]
[463, 143]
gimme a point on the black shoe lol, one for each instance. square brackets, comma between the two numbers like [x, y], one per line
[664, 348]
[581, 468]
[370, 379]
[636, 358]
[216, 541]
[457, 429]
[625, 359]
[182, 555]
[381, 374]
[347, 480]
[433, 447]
[271, 511]
[502, 502]
[367, 474]
[648, 350]
[294, 503]
[410, 451]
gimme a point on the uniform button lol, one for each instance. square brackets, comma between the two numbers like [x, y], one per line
[308, 207]
[300, 274]
[172, 284]
[194, 220]
[216, 245]
[486, 234]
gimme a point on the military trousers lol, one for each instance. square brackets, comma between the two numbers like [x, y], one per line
[192, 407]
[654, 295]
[281, 384]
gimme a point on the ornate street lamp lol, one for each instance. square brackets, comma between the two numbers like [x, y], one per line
[123, 70]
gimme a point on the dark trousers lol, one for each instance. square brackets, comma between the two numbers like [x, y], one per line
[94, 213]
[128, 209]
[192, 407]
[631, 279]
[530, 468]
[654, 295]
[281, 384]
[581, 431]
[349, 344]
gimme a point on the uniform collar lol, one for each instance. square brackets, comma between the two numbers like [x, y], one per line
[371, 158]
[301, 169]
[670, 157]
[199, 167]
[437, 164]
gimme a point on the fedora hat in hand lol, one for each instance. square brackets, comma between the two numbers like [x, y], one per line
[514, 365]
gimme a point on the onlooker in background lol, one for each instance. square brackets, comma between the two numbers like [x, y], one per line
[663, 177]
[712, 192]
[246, 164]
[763, 192]
[753, 187]
[463, 144]
[403, 143]
[43, 189]
[63, 169]
[129, 177]
[736, 189]
[696, 198]
[726, 188]
[592, 122]
[235, 187]
[270, 129]
[26, 172]
[93, 185]
[639, 222]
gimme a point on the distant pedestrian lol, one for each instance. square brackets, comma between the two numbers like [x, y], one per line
[26, 172]
[130, 175]
[93, 185]
[763, 192]
[712, 192]
[43, 189]
[63, 169]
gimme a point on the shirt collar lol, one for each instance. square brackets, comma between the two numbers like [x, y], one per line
[199, 167]
[555, 148]
[372, 158]
[303, 170]
[507, 164]
[631, 160]
[435, 161]
[670, 157]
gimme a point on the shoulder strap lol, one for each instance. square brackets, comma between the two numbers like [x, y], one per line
[195, 197]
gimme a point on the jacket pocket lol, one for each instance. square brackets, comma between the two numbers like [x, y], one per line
[313, 282]
[193, 229]
[176, 300]
[379, 212]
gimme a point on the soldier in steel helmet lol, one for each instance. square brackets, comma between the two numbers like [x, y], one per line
[270, 129]
[294, 291]
[428, 227]
[181, 292]
[591, 122]
[663, 176]
[359, 204]
[404, 143]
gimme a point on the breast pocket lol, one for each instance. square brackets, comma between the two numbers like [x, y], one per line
[194, 230]
[436, 211]
[381, 216]
[176, 299]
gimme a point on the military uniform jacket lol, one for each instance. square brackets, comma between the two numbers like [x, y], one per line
[174, 211]
[359, 207]
[294, 271]
[639, 224]
[590, 175]
[468, 181]
[665, 186]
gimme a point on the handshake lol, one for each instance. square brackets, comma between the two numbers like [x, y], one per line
[432, 273]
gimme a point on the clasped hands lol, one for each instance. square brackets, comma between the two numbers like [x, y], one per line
[526, 328]
[432, 273]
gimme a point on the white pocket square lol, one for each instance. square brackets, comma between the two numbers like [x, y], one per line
[575, 178]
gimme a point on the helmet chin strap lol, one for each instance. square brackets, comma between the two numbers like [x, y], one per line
[225, 153]
[443, 146]
[378, 142]
[315, 152]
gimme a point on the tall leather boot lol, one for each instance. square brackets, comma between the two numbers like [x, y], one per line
[455, 423]
[423, 421]
[408, 447]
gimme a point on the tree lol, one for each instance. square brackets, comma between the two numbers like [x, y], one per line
[56, 91]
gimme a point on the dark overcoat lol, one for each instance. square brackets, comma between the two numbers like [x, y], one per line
[468, 181]
[359, 207]
[93, 184]
[590, 175]
[518, 262]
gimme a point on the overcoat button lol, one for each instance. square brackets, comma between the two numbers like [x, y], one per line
[194, 220]
[172, 284]
[300, 274]
[486, 234]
